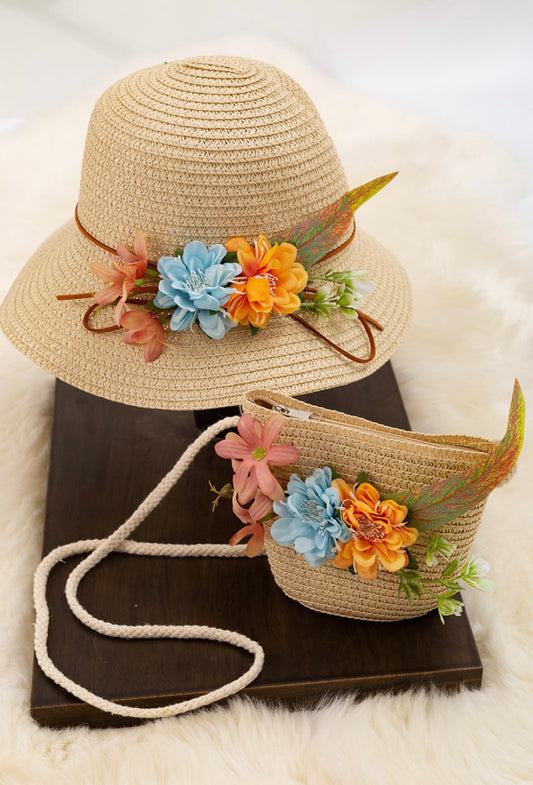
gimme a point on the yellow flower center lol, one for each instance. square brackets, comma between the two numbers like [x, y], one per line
[259, 453]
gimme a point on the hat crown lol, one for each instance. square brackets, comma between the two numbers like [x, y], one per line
[206, 148]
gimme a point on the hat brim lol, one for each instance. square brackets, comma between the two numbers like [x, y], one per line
[195, 371]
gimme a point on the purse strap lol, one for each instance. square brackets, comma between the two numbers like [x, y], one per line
[98, 549]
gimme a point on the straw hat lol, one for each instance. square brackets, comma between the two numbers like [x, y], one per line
[202, 149]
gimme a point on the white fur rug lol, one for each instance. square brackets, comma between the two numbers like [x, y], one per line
[452, 217]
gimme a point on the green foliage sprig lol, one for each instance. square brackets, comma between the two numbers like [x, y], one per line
[451, 580]
[341, 290]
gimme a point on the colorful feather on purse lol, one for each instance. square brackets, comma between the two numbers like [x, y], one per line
[320, 233]
[442, 502]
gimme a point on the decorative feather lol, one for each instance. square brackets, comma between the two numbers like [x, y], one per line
[447, 499]
[324, 230]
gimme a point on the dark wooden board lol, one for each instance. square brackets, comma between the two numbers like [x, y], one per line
[105, 458]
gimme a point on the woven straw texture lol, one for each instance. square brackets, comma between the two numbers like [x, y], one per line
[201, 149]
[395, 461]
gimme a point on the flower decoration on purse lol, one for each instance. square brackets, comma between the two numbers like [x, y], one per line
[238, 283]
[353, 526]
[252, 453]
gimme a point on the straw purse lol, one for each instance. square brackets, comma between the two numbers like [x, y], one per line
[399, 463]
[443, 481]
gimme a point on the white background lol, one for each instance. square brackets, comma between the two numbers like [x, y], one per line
[466, 64]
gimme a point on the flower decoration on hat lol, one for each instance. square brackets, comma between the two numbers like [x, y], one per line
[194, 287]
[144, 328]
[270, 282]
[122, 275]
[330, 522]
[241, 283]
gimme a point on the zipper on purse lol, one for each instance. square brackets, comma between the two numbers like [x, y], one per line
[288, 411]
[299, 414]
[306, 414]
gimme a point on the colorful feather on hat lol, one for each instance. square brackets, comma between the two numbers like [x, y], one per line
[447, 499]
[324, 230]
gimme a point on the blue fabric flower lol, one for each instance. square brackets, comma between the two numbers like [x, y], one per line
[308, 518]
[198, 284]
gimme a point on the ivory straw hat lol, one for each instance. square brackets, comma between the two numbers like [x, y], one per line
[202, 149]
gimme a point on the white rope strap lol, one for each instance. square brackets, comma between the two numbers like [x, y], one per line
[117, 541]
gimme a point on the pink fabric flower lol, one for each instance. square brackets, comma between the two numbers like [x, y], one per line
[251, 451]
[145, 328]
[252, 517]
[122, 275]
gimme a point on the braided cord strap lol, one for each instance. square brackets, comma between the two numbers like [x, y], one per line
[98, 549]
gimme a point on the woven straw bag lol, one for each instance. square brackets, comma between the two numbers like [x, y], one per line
[396, 461]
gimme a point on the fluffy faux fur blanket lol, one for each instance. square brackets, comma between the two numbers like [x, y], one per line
[453, 219]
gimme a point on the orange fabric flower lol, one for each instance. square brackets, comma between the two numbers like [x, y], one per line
[270, 281]
[378, 531]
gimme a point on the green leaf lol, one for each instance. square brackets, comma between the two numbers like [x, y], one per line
[438, 546]
[254, 330]
[351, 569]
[448, 607]
[231, 256]
[405, 589]
[350, 313]
[345, 301]
[450, 568]
[431, 559]
[441, 546]
[334, 473]
[151, 272]
[395, 497]
[362, 477]
[408, 518]
[479, 583]
[409, 584]
[322, 295]
[447, 499]
[323, 230]
[411, 577]
[412, 563]
[452, 587]
[178, 251]
[417, 588]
